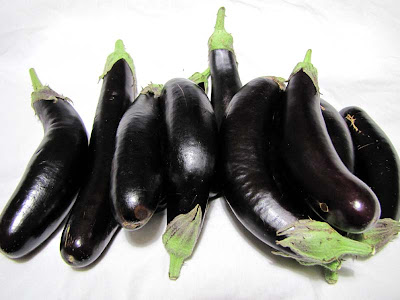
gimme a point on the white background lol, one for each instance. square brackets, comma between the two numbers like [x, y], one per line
[356, 49]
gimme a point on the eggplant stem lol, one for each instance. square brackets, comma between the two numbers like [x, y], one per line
[220, 23]
[307, 58]
[37, 85]
[180, 238]
[220, 39]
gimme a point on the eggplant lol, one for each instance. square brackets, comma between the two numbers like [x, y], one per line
[91, 224]
[190, 148]
[225, 80]
[335, 194]
[136, 174]
[377, 164]
[339, 134]
[282, 222]
[51, 179]
[376, 160]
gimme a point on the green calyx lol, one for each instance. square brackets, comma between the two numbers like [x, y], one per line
[307, 68]
[220, 39]
[154, 89]
[279, 80]
[43, 92]
[317, 243]
[198, 78]
[119, 53]
[383, 232]
[180, 239]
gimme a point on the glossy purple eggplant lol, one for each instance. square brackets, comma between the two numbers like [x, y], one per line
[91, 223]
[335, 194]
[225, 80]
[136, 175]
[52, 178]
[190, 155]
[376, 160]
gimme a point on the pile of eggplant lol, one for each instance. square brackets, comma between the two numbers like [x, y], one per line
[313, 183]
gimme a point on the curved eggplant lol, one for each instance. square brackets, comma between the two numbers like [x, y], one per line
[336, 195]
[280, 221]
[190, 156]
[136, 174]
[91, 224]
[377, 162]
[52, 178]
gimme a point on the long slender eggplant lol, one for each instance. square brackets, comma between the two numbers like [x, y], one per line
[225, 80]
[52, 178]
[250, 189]
[136, 174]
[91, 224]
[339, 134]
[378, 165]
[190, 156]
[336, 195]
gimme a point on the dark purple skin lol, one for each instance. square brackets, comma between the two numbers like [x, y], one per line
[376, 160]
[136, 175]
[190, 142]
[249, 186]
[225, 80]
[91, 224]
[50, 183]
[341, 139]
[339, 134]
[336, 195]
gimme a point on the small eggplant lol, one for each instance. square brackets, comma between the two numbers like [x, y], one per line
[336, 195]
[190, 147]
[52, 178]
[136, 174]
[91, 223]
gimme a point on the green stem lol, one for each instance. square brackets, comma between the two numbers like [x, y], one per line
[307, 67]
[153, 88]
[180, 238]
[175, 266]
[220, 39]
[317, 243]
[43, 92]
[35, 80]
[331, 276]
[198, 78]
[307, 58]
[119, 53]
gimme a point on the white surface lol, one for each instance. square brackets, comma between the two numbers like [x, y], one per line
[355, 48]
